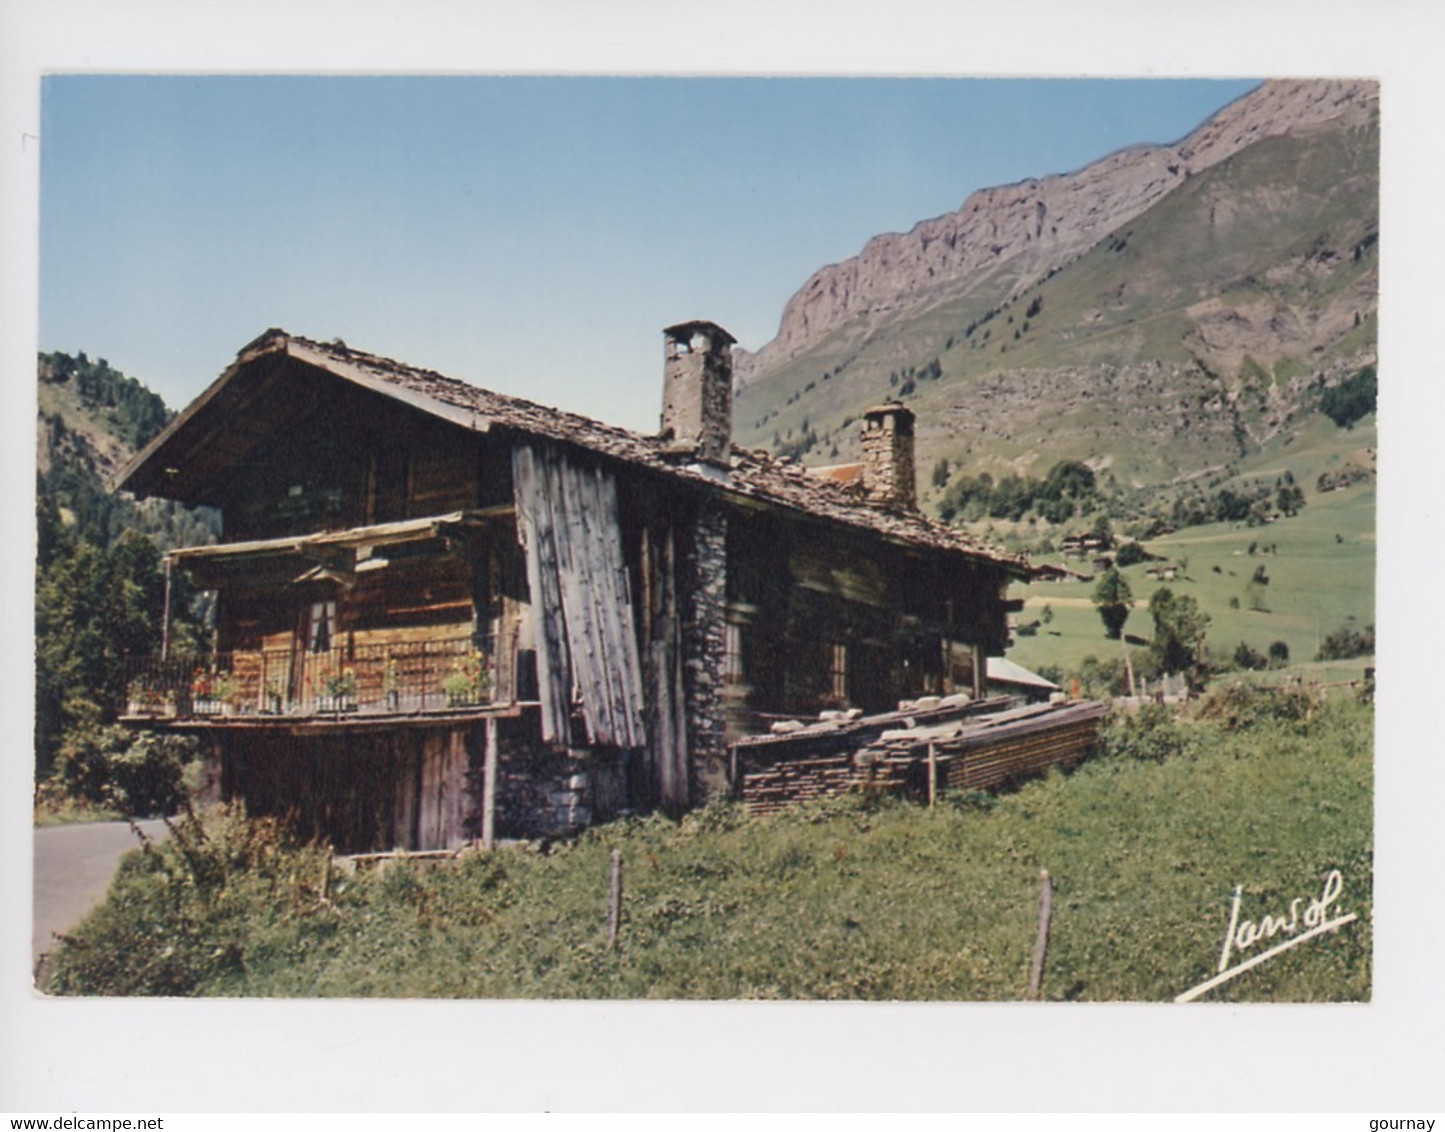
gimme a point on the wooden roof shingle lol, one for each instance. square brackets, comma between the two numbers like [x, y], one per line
[753, 474]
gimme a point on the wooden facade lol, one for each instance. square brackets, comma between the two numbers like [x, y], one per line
[444, 614]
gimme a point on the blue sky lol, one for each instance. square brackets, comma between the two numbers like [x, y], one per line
[529, 234]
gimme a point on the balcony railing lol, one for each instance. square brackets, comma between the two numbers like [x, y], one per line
[407, 677]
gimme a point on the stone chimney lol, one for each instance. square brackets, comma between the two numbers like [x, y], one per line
[697, 392]
[888, 472]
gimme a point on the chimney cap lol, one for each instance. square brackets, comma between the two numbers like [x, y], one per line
[900, 414]
[687, 329]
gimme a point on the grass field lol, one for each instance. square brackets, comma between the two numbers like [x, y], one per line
[1320, 564]
[846, 900]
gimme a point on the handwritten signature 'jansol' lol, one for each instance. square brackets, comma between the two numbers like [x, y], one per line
[1294, 924]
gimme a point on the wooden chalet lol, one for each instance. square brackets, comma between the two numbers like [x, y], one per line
[444, 614]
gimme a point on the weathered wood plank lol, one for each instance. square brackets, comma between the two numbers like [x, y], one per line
[568, 514]
[534, 525]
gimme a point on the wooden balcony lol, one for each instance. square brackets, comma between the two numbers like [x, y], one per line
[428, 677]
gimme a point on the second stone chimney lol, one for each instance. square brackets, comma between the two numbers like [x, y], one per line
[888, 472]
[697, 392]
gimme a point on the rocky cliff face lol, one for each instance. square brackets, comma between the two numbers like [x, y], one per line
[1032, 227]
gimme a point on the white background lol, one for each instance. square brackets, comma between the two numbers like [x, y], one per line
[134, 1057]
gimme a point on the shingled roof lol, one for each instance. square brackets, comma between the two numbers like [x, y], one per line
[753, 475]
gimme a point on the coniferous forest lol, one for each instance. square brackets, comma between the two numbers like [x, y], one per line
[99, 584]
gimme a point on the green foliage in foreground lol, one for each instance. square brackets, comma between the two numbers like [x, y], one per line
[850, 899]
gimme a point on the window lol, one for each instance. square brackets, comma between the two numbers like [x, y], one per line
[322, 629]
[733, 666]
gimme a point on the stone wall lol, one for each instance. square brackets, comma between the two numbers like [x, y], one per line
[548, 792]
[704, 653]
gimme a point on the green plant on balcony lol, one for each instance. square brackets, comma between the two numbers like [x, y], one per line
[224, 689]
[338, 689]
[467, 681]
[145, 695]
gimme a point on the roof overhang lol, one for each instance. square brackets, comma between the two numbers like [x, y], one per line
[186, 461]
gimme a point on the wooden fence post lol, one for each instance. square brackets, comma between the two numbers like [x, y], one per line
[489, 786]
[1041, 943]
[614, 900]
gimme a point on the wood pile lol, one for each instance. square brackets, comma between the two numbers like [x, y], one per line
[980, 746]
[786, 784]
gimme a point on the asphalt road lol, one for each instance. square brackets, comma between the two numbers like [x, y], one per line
[73, 867]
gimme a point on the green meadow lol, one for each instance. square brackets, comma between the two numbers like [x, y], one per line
[857, 898]
[1320, 566]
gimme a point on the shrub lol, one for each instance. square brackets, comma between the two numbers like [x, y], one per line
[184, 912]
[1052, 673]
[147, 778]
[1129, 554]
[1347, 641]
[1248, 658]
[1101, 679]
[1240, 706]
[1150, 734]
[1352, 399]
[139, 775]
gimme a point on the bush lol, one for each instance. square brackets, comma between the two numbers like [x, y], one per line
[147, 777]
[1250, 659]
[1150, 734]
[184, 912]
[840, 899]
[82, 769]
[1129, 554]
[139, 775]
[1101, 679]
[1240, 706]
[1351, 400]
[1347, 641]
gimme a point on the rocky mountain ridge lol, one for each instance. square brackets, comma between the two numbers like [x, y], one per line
[1035, 226]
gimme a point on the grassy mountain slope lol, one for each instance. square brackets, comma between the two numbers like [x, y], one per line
[1184, 341]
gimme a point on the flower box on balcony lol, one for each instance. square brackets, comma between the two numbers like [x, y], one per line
[334, 704]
